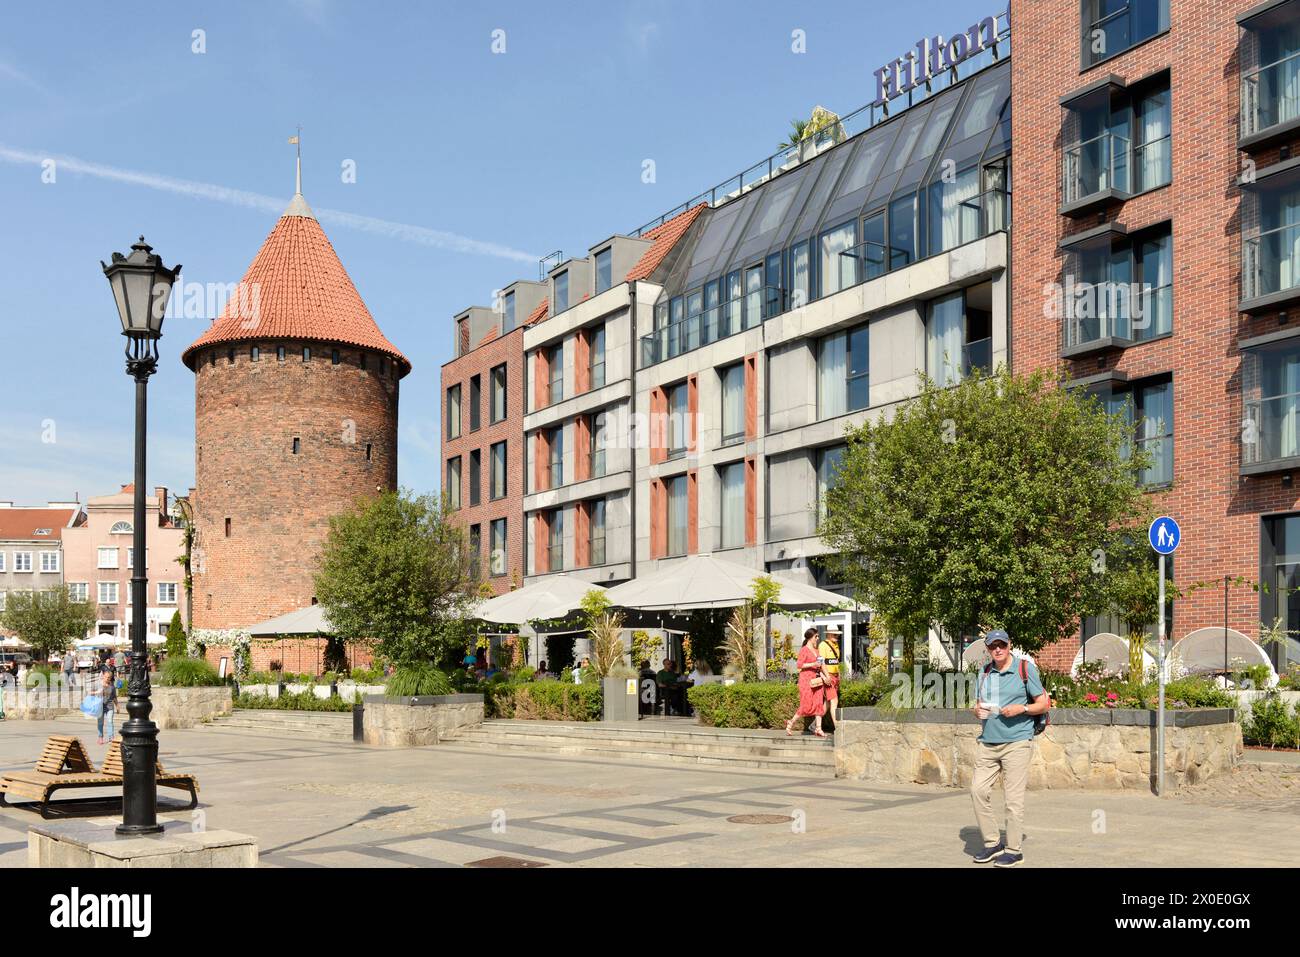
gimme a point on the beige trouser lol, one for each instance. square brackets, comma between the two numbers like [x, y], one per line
[1012, 760]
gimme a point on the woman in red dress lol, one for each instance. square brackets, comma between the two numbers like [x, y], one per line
[812, 700]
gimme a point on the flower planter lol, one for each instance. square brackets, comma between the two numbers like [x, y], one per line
[417, 721]
[186, 707]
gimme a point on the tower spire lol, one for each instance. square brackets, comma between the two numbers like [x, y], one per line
[297, 178]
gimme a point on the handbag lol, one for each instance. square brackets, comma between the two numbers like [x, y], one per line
[817, 681]
[92, 706]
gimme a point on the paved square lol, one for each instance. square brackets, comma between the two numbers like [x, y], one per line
[318, 804]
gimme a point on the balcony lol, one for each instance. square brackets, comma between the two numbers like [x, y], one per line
[718, 322]
[977, 355]
[1083, 336]
[1270, 269]
[1271, 434]
[1096, 172]
[1270, 103]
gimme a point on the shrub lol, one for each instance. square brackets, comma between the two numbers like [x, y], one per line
[368, 676]
[1195, 692]
[39, 676]
[544, 701]
[302, 701]
[747, 704]
[188, 673]
[1272, 724]
[525, 673]
[420, 679]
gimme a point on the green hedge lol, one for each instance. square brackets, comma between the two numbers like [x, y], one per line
[542, 700]
[1272, 723]
[302, 701]
[188, 673]
[770, 704]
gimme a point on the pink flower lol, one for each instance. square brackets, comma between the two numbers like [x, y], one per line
[1112, 696]
[1090, 697]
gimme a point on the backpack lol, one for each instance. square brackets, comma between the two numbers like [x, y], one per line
[1041, 721]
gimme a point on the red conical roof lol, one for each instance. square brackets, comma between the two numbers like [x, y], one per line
[302, 292]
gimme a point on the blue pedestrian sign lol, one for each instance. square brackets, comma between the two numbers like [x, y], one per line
[1164, 535]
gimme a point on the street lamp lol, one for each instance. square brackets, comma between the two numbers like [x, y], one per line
[141, 286]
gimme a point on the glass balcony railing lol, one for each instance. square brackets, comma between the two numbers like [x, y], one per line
[977, 355]
[555, 558]
[1096, 165]
[1081, 331]
[598, 550]
[1270, 96]
[1272, 430]
[718, 322]
[1270, 262]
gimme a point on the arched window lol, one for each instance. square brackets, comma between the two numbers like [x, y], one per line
[121, 528]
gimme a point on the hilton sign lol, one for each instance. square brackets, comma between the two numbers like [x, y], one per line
[931, 57]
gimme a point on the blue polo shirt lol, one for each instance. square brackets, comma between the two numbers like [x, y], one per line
[1001, 688]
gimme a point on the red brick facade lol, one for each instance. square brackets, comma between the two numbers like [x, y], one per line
[495, 351]
[1218, 508]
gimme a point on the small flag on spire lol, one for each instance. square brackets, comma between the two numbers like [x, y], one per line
[293, 141]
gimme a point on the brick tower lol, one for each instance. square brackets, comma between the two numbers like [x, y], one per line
[295, 394]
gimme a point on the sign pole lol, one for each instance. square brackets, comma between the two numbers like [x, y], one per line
[1160, 678]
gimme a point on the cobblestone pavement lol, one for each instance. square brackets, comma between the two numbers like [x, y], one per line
[317, 804]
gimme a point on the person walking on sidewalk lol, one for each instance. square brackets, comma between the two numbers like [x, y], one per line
[1010, 696]
[828, 653]
[107, 691]
[812, 691]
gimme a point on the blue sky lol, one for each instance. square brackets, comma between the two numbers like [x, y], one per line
[470, 165]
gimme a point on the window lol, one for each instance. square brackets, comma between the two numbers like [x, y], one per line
[508, 321]
[555, 360]
[753, 296]
[306, 353]
[902, 231]
[733, 403]
[676, 515]
[1271, 393]
[227, 528]
[78, 591]
[121, 528]
[829, 461]
[297, 445]
[596, 529]
[498, 545]
[1112, 26]
[475, 550]
[453, 412]
[279, 353]
[1153, 269]
[361, 361]
[959, 335]
[230, 355]
[1280, 598]
[49, 562]
[2, 600]
[1271, 248]
[369, 449]
[837, 271]
[871, 251]
[475, 402]
[107, 593]
[2, 561]
[604, 269]
[1119, 141]
[1148, 408]
[596, 352]
[733, 504]
[498, 412]
[166, 593]
[475, 475]
[453, 483]
[23, 561]
[254, 353]
[335, 358]
[735, 303]
[561, 292]
[597, 444]
[677, 420]
[107, 558]
[497, 464]
[555, 441]
[1124, 290]
[1152, 160]
[1270, 82]
[843, 372]
[130, 558]
[555, 541]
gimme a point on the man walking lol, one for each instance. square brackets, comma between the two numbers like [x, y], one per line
[1010, 695]
[828, 653]
[69, 668]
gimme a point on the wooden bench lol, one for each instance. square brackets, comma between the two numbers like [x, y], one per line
[65, 764]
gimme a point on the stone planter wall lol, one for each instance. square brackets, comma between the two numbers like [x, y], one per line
[41, 704]
[186, 707]
[348, 691]
[1082, 748]
[416, 722]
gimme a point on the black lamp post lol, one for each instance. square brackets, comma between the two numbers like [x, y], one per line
[141, 286]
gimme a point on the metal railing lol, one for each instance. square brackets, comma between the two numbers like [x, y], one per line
[1152, 164]
[1082, 330]
[977, 355]
[718, 322]
[859, 121]
[1270, 262]
[1272, 429]
[1095, 165]
[1270, 95]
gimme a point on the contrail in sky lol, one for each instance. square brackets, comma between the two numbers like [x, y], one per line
[404, 232]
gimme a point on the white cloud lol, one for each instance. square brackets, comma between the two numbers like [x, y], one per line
[11, 72]
[403, 232]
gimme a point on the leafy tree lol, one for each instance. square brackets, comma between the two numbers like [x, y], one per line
[989, 502]
[176, 637]
[394, 571]
[48, 620]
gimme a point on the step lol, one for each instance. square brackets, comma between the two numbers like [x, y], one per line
[763, 748]
[739, 762]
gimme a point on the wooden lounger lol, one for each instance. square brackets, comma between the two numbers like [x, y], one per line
[64, 764]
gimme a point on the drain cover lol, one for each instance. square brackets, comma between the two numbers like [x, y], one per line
[760, 819]
[502, 861]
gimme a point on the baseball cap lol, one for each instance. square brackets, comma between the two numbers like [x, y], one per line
[997, 634]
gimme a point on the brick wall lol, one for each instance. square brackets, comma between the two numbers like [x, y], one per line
[1219, 510]
[508, 349]
[247, 415]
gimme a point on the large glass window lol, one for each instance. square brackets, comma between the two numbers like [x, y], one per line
[499, 546]
[733, 504]
[1153, 417]
[604, 269]
[508, 320]
[498, 465]
[735, 303]
[677, 514]
[959, 335]
[1271, 258]
[1281, 571]
[1112, 26]
[556, 442]
[453, 412]
[499, 393]
[453, 483]
[678, 420]
[1271, 394]
[475, 476]
[1152, 159]
[902, 231]
[829, 461]
[597, 449]
[800, 276]
[475, 403]
[596, 352]
[555, 543]
[561, 292]
[1153, 268]
[843, 372]
[955, 210]
[773, 303]
[753, 296]
[555, 360]
[733, 403]
[596, 529]
[1270, 90]
[837, 271]
[475, 550]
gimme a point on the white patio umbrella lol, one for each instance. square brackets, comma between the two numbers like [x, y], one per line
[554, 596]
[703, 581]
[13, 643]
[1204, 652]
[98, 641]
[1112, 651]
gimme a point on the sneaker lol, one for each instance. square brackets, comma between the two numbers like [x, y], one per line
[1009, 859]
[989, 854]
